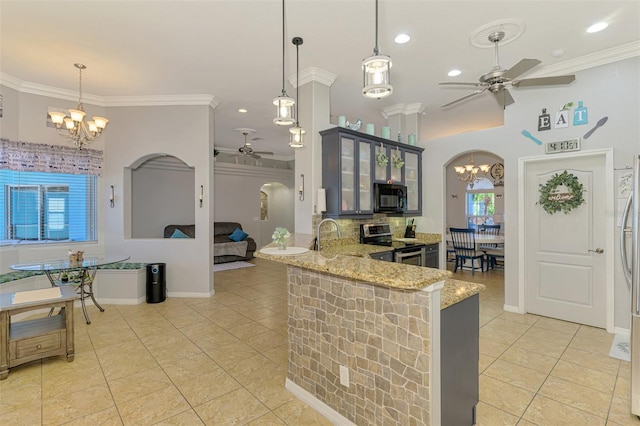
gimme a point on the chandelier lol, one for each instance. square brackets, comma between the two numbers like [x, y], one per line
[284, 104]
[75, 128]
[376, 72]
[296, 134]
[469, 172]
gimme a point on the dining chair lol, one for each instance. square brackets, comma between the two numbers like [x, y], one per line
[464, 244]
[493, 252]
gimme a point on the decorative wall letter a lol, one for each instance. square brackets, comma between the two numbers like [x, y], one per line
[562, 119]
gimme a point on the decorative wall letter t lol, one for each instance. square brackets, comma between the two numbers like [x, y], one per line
[580, 115]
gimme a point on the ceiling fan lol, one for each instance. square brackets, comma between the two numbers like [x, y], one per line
[498, 79]
[247, 149]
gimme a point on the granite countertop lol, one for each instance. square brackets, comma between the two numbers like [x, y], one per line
[347, 258]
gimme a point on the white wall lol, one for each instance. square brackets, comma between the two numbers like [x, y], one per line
[160, 198]
[180, 131]
[237, 197]
[610, 90]
[280, 210]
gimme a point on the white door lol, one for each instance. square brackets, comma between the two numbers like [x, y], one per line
[565, 275]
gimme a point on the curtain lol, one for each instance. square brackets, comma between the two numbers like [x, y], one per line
[35, 157]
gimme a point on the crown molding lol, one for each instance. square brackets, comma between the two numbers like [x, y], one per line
[615, 54]
[406, 109]
[254, 171]
[310, 74]
[106, 101]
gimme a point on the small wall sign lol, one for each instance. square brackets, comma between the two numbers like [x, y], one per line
[563, 146]
[544, 121]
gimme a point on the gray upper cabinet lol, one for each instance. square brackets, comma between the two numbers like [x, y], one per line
[350, 166]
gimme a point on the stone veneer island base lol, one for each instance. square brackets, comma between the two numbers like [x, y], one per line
[364, 337]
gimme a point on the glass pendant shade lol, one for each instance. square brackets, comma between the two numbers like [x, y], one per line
[376, 76]
[285, 111]
[296, 137]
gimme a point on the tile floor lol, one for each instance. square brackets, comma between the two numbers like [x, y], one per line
[223, 361]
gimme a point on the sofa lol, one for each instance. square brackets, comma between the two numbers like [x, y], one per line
[223, 245]
[225, 249]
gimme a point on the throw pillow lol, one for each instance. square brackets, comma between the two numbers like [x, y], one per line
[238, 235]
[179, 234]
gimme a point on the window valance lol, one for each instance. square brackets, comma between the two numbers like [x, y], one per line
[36, 157]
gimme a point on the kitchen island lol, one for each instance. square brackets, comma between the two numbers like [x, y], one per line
[364, 335]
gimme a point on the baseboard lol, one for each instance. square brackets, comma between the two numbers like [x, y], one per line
[327, 412]
[622, 331]
[514, 309]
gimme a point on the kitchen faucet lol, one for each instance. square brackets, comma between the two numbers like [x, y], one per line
[318, 230]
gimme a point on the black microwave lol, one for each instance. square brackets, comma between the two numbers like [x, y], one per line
[389, 198]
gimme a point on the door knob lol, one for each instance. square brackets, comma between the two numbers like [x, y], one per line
[598, 250]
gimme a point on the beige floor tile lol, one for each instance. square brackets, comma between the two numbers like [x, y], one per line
[533, 360]
[237, 407]
[30, 373]
[484, 362]
[175, 351]
[29, 414]
[588, 344]
[584, 376]
[25, 394]
[545, 411]
[257, 368]
[154, 407]
[104, 338]
[535, 344]
[70, 406]
[279, 354]
[528, 319]
[622, 389]
[206, 387]
[524, 422]
[620, 413]
[271, 391]
[486, 415]
[250, 329]
[502, 335]
[299, 413]
[591, 360]
[83, 377]
[269, 419]
[516, 375]
[504, 396]
[625, 370]
[107, 417]
[226, 354]
[502, 323]
[139, 384]
[190, 366]
[186, 418]
[594, 333]
[577, 396]
[547, 335]
[265, 341]
[492, 348]
[556, 325]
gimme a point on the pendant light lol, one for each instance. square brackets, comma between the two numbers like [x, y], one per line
[376, 72]
[284, 104]
[296, 134]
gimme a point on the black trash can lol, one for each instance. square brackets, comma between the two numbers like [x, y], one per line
[156, 282]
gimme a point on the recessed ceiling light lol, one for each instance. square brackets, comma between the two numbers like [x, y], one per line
[557, 53]
[454, 73]
[597, 27]
[242, 110]
[402, 38]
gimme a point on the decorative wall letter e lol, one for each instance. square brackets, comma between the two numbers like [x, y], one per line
[544, 121]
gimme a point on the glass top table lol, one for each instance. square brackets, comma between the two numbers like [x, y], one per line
[84, 271]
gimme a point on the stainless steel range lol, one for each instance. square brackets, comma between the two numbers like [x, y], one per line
[403, 252]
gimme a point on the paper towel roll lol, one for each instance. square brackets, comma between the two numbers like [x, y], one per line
[321, 203]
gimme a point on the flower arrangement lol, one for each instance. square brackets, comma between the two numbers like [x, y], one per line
[397, 161]
[279, 236]
[381, 158]
[76, 255]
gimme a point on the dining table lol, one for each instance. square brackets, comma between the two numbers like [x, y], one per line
[82, 273]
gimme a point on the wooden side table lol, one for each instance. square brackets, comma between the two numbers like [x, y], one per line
[29, 340]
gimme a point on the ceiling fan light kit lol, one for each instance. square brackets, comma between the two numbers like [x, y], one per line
[284, 104]
[376, 72]
[247, 149]
[498, 80]
[75, 128]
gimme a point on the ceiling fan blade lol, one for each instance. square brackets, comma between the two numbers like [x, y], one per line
[504, 98]
[520, 68]
[544, 81]
[453, 83]
[455, 101]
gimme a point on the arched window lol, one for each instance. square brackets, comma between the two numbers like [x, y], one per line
[264, 205]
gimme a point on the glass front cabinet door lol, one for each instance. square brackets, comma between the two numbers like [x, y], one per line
[355, 176]
[412, 174]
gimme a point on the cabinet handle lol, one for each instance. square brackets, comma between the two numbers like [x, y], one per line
[38, 346]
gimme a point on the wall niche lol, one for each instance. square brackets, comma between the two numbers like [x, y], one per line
[162, 193]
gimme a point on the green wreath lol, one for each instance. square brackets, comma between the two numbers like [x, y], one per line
[553, 202]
